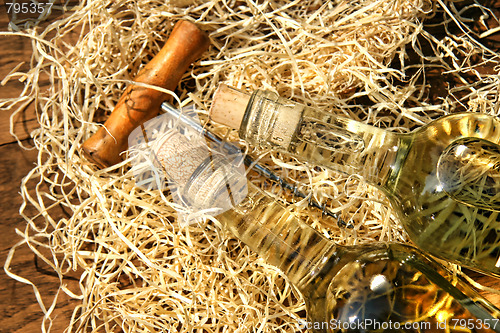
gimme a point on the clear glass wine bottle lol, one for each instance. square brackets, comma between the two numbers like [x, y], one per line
[389, 287]
[443, 180]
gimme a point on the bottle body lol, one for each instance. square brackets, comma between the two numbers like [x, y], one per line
[451, 224]
[455, 224]
[393, 288]
[362, 288]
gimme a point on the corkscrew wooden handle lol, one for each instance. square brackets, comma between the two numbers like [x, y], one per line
[139, 104]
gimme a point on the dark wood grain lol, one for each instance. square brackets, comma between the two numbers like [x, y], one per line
[14, 50]
[19, 309]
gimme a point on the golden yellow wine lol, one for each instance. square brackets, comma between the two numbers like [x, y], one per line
[442, 180]
[370, 288]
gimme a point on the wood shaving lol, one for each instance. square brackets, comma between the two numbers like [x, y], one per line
[371, 60]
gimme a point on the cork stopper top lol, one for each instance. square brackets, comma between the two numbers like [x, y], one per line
[228, 106]
[179, 156]
[217, 185]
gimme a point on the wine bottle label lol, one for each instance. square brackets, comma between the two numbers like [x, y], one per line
[287, 120]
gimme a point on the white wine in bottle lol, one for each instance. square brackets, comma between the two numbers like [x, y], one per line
[359, 288]
[443, 180]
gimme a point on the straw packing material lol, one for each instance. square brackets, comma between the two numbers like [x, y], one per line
[142, 270]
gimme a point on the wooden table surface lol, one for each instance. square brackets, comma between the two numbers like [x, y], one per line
[19, 310]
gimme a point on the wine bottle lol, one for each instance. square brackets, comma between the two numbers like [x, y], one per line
[442, 180]
[391, 287]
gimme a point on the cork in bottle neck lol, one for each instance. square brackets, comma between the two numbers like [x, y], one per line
[206, 179]
[228, 106]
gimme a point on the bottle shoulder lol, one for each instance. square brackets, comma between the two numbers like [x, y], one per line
[395, 283]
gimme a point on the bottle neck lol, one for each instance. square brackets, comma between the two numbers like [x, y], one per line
[335, 142]
[258, 220]
[280, 238]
